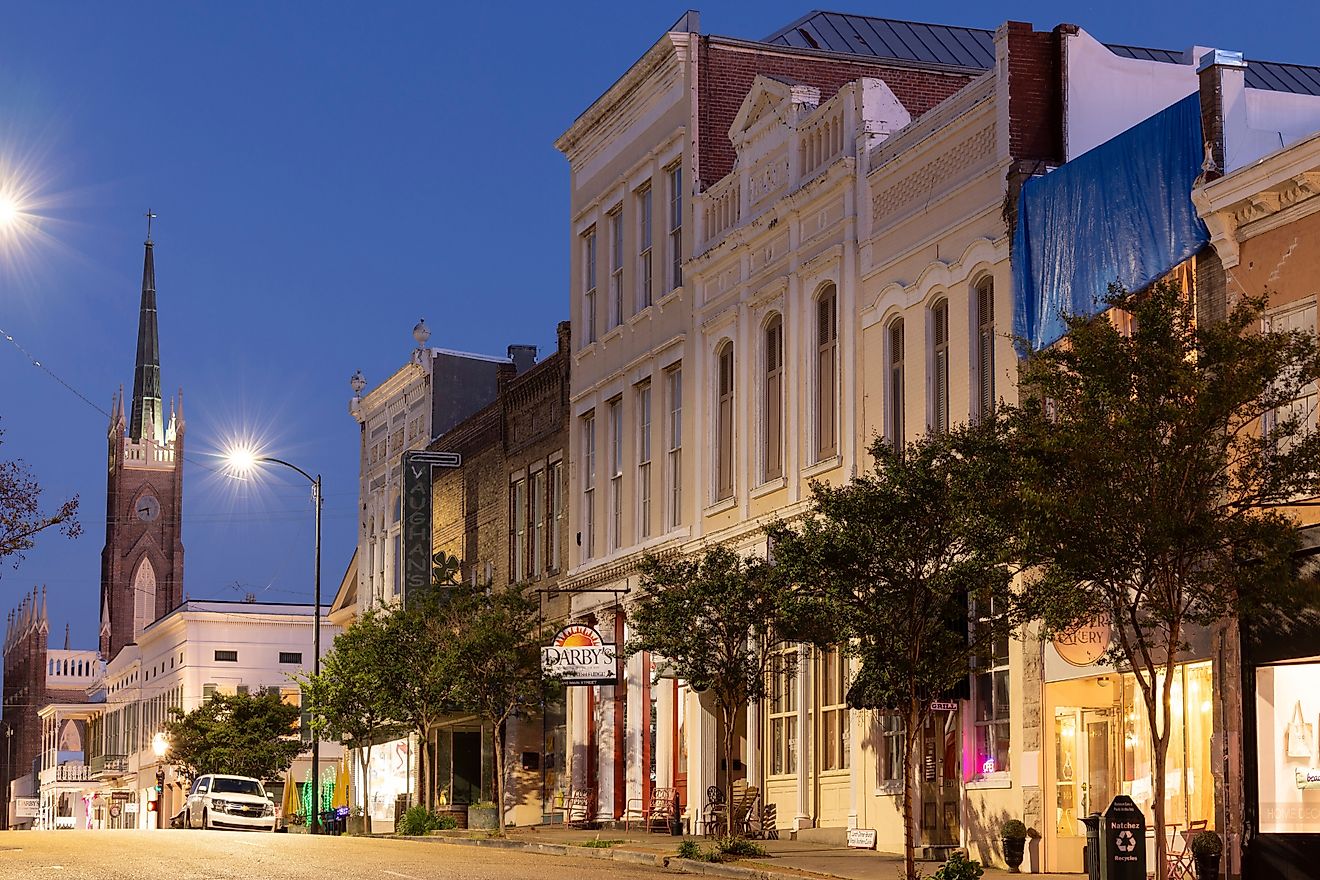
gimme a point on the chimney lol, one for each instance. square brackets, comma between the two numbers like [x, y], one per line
[1223, 107]
[523, 357]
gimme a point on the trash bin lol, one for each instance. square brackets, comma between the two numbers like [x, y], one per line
[1123, 841]
[1092, 851]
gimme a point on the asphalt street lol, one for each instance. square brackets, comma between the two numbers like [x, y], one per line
[236, 855]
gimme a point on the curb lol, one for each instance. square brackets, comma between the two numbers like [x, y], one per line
[636, 857]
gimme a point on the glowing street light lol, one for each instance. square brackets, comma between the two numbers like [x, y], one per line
[244, 462]
[160, 743]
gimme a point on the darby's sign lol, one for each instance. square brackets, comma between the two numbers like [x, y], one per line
[579, 656]
[1085, 644]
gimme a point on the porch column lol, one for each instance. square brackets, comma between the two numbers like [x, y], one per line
[803, 818]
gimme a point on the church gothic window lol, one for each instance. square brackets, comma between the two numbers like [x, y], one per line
[144, 596]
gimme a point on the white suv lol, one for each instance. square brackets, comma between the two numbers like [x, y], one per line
[216, 801]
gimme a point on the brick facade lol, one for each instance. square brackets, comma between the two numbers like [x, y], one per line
[726, 71]
[1035, 93]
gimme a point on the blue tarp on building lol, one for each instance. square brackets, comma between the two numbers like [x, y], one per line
[1120, 212]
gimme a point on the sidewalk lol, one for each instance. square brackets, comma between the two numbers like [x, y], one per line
[786, 859]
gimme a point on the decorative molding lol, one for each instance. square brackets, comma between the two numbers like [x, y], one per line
[921, 183]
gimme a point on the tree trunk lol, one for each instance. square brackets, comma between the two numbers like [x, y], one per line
[365, 758]
[909, 841]
[499, 775]
[423, 790]
[729, 714]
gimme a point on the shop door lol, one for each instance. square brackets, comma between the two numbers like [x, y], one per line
[680, 742]
[1085, 766]
[467, 766]
[940, 773]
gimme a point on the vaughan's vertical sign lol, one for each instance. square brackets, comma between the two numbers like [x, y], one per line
[416, 516]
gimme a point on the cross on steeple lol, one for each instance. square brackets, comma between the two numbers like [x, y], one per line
[150, 216]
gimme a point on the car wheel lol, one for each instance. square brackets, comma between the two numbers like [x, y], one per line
[187, 818]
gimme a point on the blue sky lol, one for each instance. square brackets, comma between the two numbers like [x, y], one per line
[326, 174]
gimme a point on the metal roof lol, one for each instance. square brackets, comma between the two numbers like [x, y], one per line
[889, 38]
[851, 34]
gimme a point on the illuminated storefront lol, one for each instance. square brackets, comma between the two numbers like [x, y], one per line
[1281, 748]
[1099, 746]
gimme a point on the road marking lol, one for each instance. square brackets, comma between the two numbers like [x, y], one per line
[397, 874]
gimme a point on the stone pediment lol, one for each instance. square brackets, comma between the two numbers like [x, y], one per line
[770, 100]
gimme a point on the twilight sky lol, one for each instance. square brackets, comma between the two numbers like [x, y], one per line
[324, 175]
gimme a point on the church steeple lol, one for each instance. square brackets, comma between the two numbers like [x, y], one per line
[146, 421]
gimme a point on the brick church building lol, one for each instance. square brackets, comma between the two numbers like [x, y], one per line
[141, 564]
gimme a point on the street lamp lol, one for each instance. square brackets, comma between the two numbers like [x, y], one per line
[243, 461]
[9, 768]
[160, 744]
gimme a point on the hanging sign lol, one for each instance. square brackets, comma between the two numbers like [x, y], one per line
[26, 807]
[579, 656]
[943, 706]
[1085, 644]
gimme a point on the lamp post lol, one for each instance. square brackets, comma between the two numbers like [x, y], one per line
[245, 461]
[160, 744]
[9, 768]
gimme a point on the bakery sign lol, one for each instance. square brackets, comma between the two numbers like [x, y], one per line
[1084, 644]
[579, 656]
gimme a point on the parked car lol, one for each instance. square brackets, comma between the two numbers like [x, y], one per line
[219, 801]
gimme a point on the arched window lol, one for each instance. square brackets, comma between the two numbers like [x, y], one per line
[724, 422]
[827, 380]
[894, 386]
[144, 597]
[939, 367]
[983, 358]
[772, 424]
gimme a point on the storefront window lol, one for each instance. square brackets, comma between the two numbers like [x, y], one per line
[783, 713]
[834, 710]
[1188, 779]
[990, 697]
[889, 736]
[1288, 753]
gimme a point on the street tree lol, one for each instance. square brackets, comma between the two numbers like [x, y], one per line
[491, 659]
[21, 514]
[351, 696]
[892, 566]
[1148, 479]
[239, 734]
[418, 689]
[719, 620]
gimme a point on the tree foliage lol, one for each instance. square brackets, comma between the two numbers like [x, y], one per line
[418, 687]
[1145, 479]
[351, 698]
[489, 655]
[21, 515]
[889, 565]
[241, 734]
[718, 619]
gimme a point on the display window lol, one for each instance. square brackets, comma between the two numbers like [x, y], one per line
[1288, 753]
[1189, 793]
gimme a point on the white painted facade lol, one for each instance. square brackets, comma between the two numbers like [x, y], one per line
[199, 649]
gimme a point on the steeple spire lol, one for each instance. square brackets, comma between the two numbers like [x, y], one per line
[146, 419]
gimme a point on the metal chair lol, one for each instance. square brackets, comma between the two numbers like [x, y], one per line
[714, 813]
[581, 811]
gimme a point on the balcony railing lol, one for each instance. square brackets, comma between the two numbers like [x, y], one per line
[66, 772]
[108, 765]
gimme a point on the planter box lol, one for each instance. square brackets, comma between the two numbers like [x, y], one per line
[484, 818]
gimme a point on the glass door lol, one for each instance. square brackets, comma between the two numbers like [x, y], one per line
[1084, 767]
[940, 773]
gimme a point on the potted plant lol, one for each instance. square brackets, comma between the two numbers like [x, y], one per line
[1207, 848]
[483, 815]
[1013, 834]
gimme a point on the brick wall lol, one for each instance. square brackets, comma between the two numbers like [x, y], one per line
[1035, 93]
[725, 77]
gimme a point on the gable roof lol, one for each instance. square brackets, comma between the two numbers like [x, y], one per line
[868, 36]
